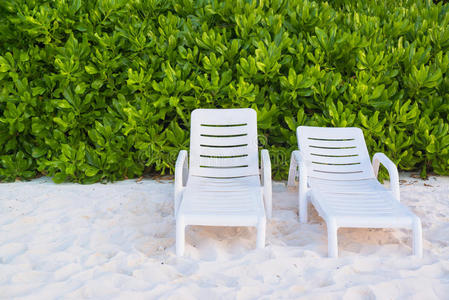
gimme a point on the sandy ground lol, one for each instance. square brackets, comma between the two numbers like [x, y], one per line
[116, 241]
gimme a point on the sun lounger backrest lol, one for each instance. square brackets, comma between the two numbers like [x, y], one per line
[335, 153]
[223, 143]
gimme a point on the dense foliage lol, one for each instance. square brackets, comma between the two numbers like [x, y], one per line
[98, 90]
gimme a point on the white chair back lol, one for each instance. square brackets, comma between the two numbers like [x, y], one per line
[335, 153]
[223, 143]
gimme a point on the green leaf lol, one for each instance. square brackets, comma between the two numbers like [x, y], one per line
[377, 92]
[63, 104]
[38, 90]
[91, 69]
[91, 171]
[81, 88]
[38, 152]
[97, 84]
[59, 177]
[291, 123]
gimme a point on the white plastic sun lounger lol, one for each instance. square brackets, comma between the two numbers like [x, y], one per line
[222, 186]
[336, 176]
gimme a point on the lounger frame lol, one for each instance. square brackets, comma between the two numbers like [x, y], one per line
[222, 184]
[336, 175]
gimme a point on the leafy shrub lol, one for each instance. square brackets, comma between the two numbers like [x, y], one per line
[103, 90]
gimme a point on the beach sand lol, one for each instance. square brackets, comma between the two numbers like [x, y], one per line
[117, 241]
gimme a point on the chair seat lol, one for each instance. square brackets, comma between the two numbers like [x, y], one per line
[363, 209]
[222, 202]
[363, 186]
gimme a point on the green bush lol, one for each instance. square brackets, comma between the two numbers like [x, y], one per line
[102, 90]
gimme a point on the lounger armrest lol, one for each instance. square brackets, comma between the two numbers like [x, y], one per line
[380, 158]
[297, 168]
[181, 173]
[266, 181]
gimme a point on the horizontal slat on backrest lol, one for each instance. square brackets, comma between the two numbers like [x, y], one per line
[330, 152]
[227, 142]
[222, 131]
[223, 161]
[336, 160]
[332, 133]
[343, 143]
[212, 151]
[223, 143]
[335, 153]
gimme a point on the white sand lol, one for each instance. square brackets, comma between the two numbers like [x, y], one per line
[117, 241]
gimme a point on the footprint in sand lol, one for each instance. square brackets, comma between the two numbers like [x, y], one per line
[11, 250]
[359, 292]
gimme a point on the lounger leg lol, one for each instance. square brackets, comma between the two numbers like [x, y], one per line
[417, 237]
[180, 237]
[261, 229]
[303, 203]
[332, 240]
